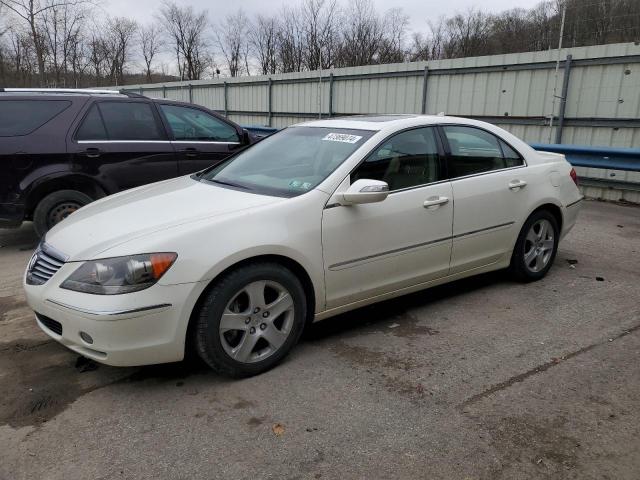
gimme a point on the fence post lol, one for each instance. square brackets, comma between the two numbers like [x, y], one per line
[269, 105]
[563, 99]
[424, 90]
[226, 109]
[164, 91]
[140, 91]
[331, 94]
[190, 93]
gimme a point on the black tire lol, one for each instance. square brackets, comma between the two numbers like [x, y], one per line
[207, 335]
[519, 269]
[55, 207]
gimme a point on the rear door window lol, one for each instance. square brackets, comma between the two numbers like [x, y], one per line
[130, 121]
[474, 151]
[22, 117]
[92, 127]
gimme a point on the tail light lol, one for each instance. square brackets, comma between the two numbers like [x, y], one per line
[574, 176]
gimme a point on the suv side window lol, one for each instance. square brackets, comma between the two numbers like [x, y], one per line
[130, 121]
[474, 150]
[405, 160]
[92, 126]
[192, 124]
[21, 117]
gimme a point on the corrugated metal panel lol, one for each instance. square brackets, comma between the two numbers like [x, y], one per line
[610, 91]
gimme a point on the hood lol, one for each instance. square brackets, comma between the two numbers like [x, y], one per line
[143, 211]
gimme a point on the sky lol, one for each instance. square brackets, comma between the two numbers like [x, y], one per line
[419, 11]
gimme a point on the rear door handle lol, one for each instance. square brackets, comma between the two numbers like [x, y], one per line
[92, 152]
[190, 152]
[435, 202]
[517, 184]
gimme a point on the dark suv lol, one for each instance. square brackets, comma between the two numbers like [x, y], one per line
[61, 149]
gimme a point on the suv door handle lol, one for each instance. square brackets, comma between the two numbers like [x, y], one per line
[92, 152]
[190, 152]
[516, 184]
[435, 202]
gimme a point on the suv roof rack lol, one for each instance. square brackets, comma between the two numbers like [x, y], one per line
[61, 90]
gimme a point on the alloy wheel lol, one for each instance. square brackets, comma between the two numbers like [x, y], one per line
[538, 246]
[257, 321]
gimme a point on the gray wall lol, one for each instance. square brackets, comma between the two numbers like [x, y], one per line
[514, 91]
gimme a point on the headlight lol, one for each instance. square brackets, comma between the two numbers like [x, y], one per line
[112, 276]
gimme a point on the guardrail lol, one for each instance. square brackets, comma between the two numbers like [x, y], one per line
[627, 159]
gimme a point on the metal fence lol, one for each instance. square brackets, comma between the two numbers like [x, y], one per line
[597, 101]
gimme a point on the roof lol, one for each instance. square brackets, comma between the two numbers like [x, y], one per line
[65, 91]
[384, 122]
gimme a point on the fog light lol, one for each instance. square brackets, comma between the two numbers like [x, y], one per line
[86, 337]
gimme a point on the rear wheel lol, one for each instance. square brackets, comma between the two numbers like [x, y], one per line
[536, 247]
[250, 319]
[57, 206]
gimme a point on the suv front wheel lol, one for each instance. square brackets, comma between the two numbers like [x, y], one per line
[57, 206]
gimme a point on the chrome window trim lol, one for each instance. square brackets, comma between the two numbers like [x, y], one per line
[206, 142]
[110, 313]
[123, 141]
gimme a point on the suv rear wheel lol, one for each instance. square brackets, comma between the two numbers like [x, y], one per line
[57, 206]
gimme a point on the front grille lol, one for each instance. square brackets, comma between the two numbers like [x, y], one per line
[43, 265]
[50, 323]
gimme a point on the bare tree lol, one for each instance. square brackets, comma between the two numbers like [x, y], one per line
[31, 12]
[264, 43]
[361, 35]
[232, 35]
[187, 30]
[120, 34]
[61, 29]
[290, 41]
[319, 29]
[394, 28]
[150, 43]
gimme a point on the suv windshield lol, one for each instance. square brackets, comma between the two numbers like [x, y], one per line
[290, 162]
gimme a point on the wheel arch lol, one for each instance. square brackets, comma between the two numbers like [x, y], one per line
[554, 209]
[46, 186]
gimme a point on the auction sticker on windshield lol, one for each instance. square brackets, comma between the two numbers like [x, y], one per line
[342, 137]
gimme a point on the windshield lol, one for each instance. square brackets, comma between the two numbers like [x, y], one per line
[290, 162]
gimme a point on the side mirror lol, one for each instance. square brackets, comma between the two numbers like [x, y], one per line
[246, 138]
[365, 191]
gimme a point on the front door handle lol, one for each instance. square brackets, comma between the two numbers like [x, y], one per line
[517, 184]
[434, 202]
[92, 152]
[190, 152]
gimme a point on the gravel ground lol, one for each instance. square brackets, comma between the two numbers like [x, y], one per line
[480, 379]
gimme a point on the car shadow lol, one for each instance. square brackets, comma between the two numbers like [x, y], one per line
[397, 309]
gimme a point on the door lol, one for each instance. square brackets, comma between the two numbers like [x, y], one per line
[489, 181]
[123, 145]
[199, 138]
[402, 241]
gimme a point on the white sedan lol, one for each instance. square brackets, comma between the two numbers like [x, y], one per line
[317, 219]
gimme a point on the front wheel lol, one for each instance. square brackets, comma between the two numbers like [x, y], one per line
[250, 319]
[55, 207]
[536, 247]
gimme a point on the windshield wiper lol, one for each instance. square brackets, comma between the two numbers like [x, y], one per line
[230, 184]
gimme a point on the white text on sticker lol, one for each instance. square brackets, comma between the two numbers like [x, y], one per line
[342, 137]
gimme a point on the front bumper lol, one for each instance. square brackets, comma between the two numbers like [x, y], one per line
[140, 328]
